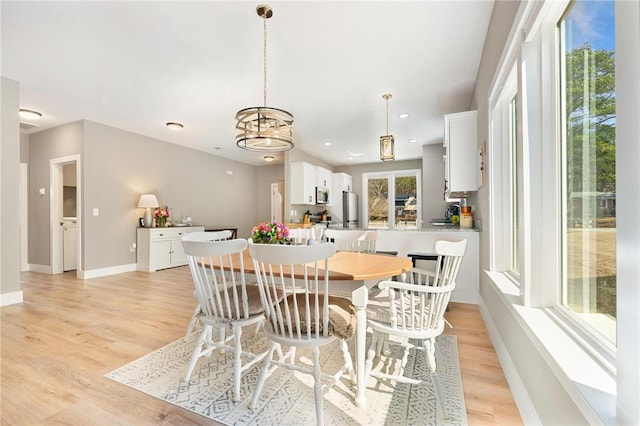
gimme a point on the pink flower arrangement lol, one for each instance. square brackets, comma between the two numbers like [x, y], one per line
[161, 215]
[270, 233]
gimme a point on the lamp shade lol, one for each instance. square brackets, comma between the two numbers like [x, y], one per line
[148, 200]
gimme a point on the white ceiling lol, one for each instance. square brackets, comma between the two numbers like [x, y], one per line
[137, 65]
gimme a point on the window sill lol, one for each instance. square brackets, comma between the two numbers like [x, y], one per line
[587, 382]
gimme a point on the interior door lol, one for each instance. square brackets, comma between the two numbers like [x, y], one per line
[276, 203]
[70, 246]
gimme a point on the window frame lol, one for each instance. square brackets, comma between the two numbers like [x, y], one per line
[391, 176]
[535, 54]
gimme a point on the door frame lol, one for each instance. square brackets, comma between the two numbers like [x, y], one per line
[24, 217]
[56, 213]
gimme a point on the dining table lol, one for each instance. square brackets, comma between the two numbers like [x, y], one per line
[352, 275]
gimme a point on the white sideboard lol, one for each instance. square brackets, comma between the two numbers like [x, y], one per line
[160, 248]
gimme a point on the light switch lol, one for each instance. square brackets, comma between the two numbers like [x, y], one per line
[42, 191]
[96, 211]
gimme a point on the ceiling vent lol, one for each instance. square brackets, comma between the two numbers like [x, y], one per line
[27, 126]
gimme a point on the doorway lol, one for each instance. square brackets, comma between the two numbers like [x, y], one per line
[66, 215]
[277, 201]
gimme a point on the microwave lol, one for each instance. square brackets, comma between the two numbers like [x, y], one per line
[322, 195]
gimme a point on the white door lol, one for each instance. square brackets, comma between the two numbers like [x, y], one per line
[70, 246]
[276, 203]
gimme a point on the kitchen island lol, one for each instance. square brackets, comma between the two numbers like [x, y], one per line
[423, 241]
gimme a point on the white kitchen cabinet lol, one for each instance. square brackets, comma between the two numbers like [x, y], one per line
[304, 179]
[160, 248]
[325, 177]
[341, 182]
[461, 146]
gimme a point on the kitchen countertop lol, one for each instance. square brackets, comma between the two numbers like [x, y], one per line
[428, 228]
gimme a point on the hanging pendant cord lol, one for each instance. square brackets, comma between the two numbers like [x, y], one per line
[264, 19]
[387, 116]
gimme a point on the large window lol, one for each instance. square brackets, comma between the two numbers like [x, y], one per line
[589, 167]
[507, 202]
[392, 200]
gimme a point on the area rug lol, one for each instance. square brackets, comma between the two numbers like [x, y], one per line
[287, 397]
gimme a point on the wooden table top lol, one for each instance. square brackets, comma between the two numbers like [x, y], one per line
[346, 265]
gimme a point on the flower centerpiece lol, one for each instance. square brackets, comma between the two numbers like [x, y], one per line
[270, 233]
[161, 215]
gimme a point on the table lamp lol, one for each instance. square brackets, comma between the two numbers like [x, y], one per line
[148, 201]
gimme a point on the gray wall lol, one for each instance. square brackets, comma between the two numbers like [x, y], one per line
[58, 142]
[9, 199]
[24, 148]
[433, 204]
[118, 166]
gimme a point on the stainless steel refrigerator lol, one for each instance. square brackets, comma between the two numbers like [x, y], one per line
[349, 210]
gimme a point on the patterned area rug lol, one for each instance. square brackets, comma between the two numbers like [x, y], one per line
[287, 397]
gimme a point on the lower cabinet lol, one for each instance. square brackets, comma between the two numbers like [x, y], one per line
[160, 248]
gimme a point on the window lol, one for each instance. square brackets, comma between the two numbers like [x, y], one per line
[589, 165]
[507, 180]
[392, 200]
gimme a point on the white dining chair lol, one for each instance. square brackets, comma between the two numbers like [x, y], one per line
[227, 304]
[353, 240]
[306, 317]
[202, 236]
[413, 311]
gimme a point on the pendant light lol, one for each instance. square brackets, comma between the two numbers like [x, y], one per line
[386, 142]
[264, 129]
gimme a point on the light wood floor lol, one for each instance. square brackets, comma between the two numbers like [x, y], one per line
[68, 333]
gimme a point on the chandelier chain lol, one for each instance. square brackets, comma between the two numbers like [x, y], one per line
[264, 20]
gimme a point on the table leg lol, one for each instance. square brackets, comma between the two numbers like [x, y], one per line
[359, 298]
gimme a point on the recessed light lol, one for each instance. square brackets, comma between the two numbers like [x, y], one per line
[327, 143]
[174, 126]
[268, 158]
[413, 140]
[30, 114]
[349, 158]
[403, 115]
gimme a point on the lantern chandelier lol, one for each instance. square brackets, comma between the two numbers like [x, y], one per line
[264, 129]
[386, 142]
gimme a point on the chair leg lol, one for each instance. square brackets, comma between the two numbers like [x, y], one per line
[430, 349]
[197, 351]
[347, 360]
[263, 375]
[194, 320]
[317, 387]
[237, 362]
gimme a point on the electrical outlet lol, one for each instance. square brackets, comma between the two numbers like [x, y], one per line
[132, 247]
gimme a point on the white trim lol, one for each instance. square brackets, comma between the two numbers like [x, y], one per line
[518, 389]
[41, 269]
[103, 272]
[589, 385]
[12, 298]
[55, 211]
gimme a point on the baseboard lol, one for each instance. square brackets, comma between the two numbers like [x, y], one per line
[11, 298]
[520, 395]
[41, 269]
[103, 272]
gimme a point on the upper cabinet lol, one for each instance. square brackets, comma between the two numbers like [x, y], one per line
[461, 145]
[304, 179]
[342, 182]
[325, 177]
